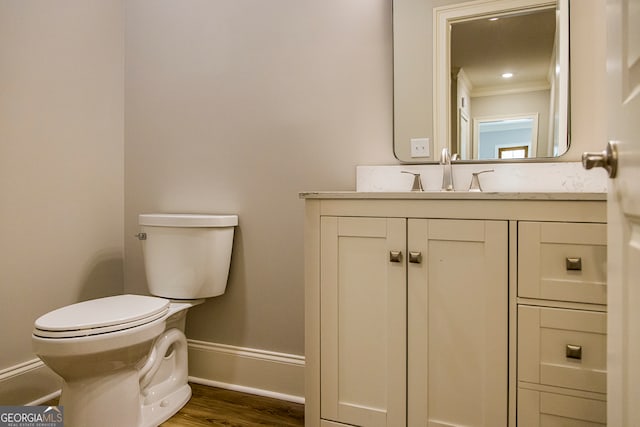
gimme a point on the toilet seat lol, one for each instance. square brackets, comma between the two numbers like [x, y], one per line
[101, 316]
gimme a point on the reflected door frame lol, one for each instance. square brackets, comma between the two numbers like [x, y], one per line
[443, 17]
[532, 146]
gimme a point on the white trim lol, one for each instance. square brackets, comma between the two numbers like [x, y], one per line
[28, 383]
[20, 368]
[254, 371]
[45, 398]
[462, 76]
[271, 356]
[510, 90]
[260, 372]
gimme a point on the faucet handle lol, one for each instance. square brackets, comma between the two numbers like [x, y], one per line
[475, 181]
[417, 182]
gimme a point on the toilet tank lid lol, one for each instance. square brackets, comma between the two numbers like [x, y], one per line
[188, 220]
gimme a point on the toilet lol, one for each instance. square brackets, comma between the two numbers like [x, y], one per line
[123, 359]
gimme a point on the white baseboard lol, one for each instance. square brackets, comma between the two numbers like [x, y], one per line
[260, 372]
[264, 373]
[28, 383]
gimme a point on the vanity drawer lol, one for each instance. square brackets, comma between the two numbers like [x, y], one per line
[544, 409]
[562, 347]
[562, 261]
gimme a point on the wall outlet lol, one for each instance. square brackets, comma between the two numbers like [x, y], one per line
[420, 147]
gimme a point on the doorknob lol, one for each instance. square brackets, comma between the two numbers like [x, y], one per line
[607, 159]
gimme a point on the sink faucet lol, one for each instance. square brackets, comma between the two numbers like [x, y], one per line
[417, 182]
[447, 170]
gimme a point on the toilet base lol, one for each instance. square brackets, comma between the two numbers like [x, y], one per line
[99, 403]
[160, 411]
[134, 396]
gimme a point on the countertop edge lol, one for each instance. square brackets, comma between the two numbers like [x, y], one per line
[455, 195]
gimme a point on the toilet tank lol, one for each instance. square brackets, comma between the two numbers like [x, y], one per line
[187, 256]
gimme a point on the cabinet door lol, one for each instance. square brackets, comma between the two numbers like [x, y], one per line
[363, 321]
[458, 317]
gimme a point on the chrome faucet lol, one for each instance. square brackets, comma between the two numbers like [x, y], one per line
[447, 170]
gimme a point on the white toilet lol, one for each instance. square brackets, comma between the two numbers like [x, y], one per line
[123, 359]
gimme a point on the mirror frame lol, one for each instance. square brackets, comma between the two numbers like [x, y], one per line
[443, 17]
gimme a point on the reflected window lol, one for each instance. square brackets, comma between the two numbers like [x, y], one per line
[513, 152]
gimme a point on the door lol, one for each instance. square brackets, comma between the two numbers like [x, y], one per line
[623, 74]
[457, 323]
[363, 321]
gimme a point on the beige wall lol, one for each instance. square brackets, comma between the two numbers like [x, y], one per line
[236, 106]
[61, 160]
[231, 106]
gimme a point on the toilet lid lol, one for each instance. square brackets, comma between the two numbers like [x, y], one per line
[99, 316]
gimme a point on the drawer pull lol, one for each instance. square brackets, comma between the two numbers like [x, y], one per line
[415, 257]
[574, 351]
[395, 256]
[574, 264]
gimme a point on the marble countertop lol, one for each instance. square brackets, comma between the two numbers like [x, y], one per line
[452, 195]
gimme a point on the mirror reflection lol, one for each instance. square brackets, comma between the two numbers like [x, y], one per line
[500, 80]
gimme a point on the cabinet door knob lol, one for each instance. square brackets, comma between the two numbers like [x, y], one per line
[395, 256]
[574, 264]
[415, 257]
[574, 352]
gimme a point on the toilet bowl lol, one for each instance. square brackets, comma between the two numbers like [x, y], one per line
[123, 359]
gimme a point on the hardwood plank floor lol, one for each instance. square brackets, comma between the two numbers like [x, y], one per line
[210, 406]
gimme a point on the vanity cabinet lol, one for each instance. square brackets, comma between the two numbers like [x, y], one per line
[562, 324]
[414, 317]
[388, 351]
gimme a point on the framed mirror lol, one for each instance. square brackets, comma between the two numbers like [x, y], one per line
[488, 79]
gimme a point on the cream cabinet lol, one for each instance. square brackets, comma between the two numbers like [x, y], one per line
[363, 328]
[562, 324]
[414, 315]
[457, 315]
[562, 261]
[397, 351]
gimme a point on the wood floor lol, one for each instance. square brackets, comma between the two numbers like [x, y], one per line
[211, 406]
